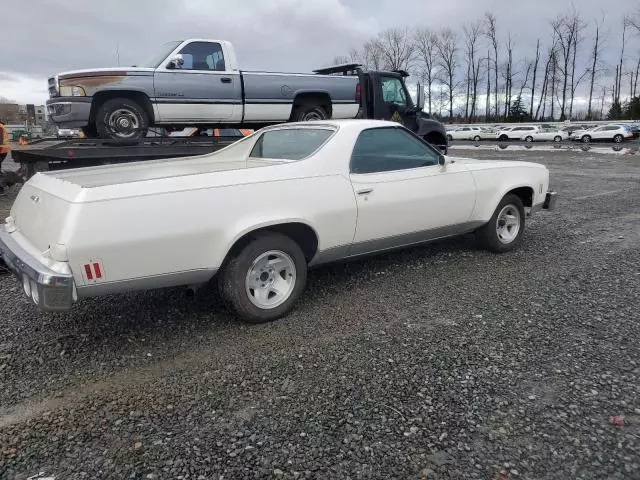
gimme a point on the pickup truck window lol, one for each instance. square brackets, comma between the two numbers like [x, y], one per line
[290, 143]
[203, 56]
[392, 91]
[388, 149]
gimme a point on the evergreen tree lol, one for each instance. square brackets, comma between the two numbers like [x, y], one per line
[615, 112]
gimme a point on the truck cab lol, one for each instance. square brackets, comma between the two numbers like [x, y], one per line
[383, 95]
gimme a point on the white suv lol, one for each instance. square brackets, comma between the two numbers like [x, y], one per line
[517, 133]
[617, 133]
[466, 133]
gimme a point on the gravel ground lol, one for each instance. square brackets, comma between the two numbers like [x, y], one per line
[441, 362]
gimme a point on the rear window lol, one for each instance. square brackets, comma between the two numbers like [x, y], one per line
[290, 143]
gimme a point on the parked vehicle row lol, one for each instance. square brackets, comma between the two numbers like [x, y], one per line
[534, 133]
[91, 231]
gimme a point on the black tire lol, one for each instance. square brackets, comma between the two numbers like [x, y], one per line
[503, 138]
[586, 138]
[557, 139]
[307, 112]
[618, 138]
[529, 139]
[130, 125]
[234, 276]
[487, 235]
[477, 138]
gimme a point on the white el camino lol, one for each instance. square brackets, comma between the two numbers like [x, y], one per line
[254, 216]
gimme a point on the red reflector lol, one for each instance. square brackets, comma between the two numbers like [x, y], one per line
[87, 270]
[70, 153]
[96, 267]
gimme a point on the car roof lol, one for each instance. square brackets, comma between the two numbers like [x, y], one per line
[345, 123]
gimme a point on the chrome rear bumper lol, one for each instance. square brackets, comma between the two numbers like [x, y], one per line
[50, 290]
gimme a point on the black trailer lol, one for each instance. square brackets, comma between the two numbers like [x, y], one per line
[55, 154]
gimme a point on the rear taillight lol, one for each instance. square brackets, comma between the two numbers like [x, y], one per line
[358, 92]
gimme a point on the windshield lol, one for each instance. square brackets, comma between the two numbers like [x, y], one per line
[157, 58]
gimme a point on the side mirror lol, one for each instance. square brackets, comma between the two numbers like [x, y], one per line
[420, 98]
[176, 61]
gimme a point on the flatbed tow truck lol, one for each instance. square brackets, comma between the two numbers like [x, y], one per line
[383, 96]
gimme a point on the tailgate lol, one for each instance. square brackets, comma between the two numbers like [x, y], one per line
[42, 208]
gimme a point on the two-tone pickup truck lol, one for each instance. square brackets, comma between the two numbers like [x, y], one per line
[194, 82]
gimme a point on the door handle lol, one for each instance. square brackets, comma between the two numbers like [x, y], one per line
[365, 191]
[225, 80]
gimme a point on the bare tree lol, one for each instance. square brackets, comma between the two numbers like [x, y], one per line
[566, 29]
[471, 37]
[487, 109]
[533, 83]
[594, 68]
[396, 48]
[491, 33]
[508, 78]
[618, 84]
[426, 47]
[447, 48]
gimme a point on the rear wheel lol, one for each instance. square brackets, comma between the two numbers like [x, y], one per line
[504, 230]
[618, 138]
[529, 139]
[477, 138]
[586, 138]
[557, 138]
[503, 138]
[121, 119]
[307, 112]
[263, 281]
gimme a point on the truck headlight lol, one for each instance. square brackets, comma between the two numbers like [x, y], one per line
[73, 91]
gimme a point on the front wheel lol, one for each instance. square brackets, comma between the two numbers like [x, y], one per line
[557, 138]
[529, 139]
[265, 279]
[618, 138]
[504, 230]
[477, 138]
[586, 139]
[121, 119]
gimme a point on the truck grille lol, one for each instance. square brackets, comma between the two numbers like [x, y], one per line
[53, 87]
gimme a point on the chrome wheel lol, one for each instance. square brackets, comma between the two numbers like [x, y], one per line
[312, 115]
[508, 224]
[271, 279]
[123, 122]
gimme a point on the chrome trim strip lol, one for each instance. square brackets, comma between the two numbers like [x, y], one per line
[175, 279]
[395, 242]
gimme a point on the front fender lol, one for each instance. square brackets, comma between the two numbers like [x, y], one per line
[434, 132]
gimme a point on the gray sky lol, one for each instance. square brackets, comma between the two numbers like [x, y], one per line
[43, 37]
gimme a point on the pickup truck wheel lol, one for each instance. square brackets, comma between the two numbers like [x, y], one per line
[504, 231]
[121, 119]
[308, 112]
[265, 279]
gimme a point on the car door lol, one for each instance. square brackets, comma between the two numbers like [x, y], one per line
[394, 101]
[199, 90]
[403, 194]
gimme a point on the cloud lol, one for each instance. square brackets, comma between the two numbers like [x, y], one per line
[43, 37]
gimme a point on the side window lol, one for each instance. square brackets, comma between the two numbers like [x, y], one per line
[387, 149]
[206, 56]
[392, 91]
